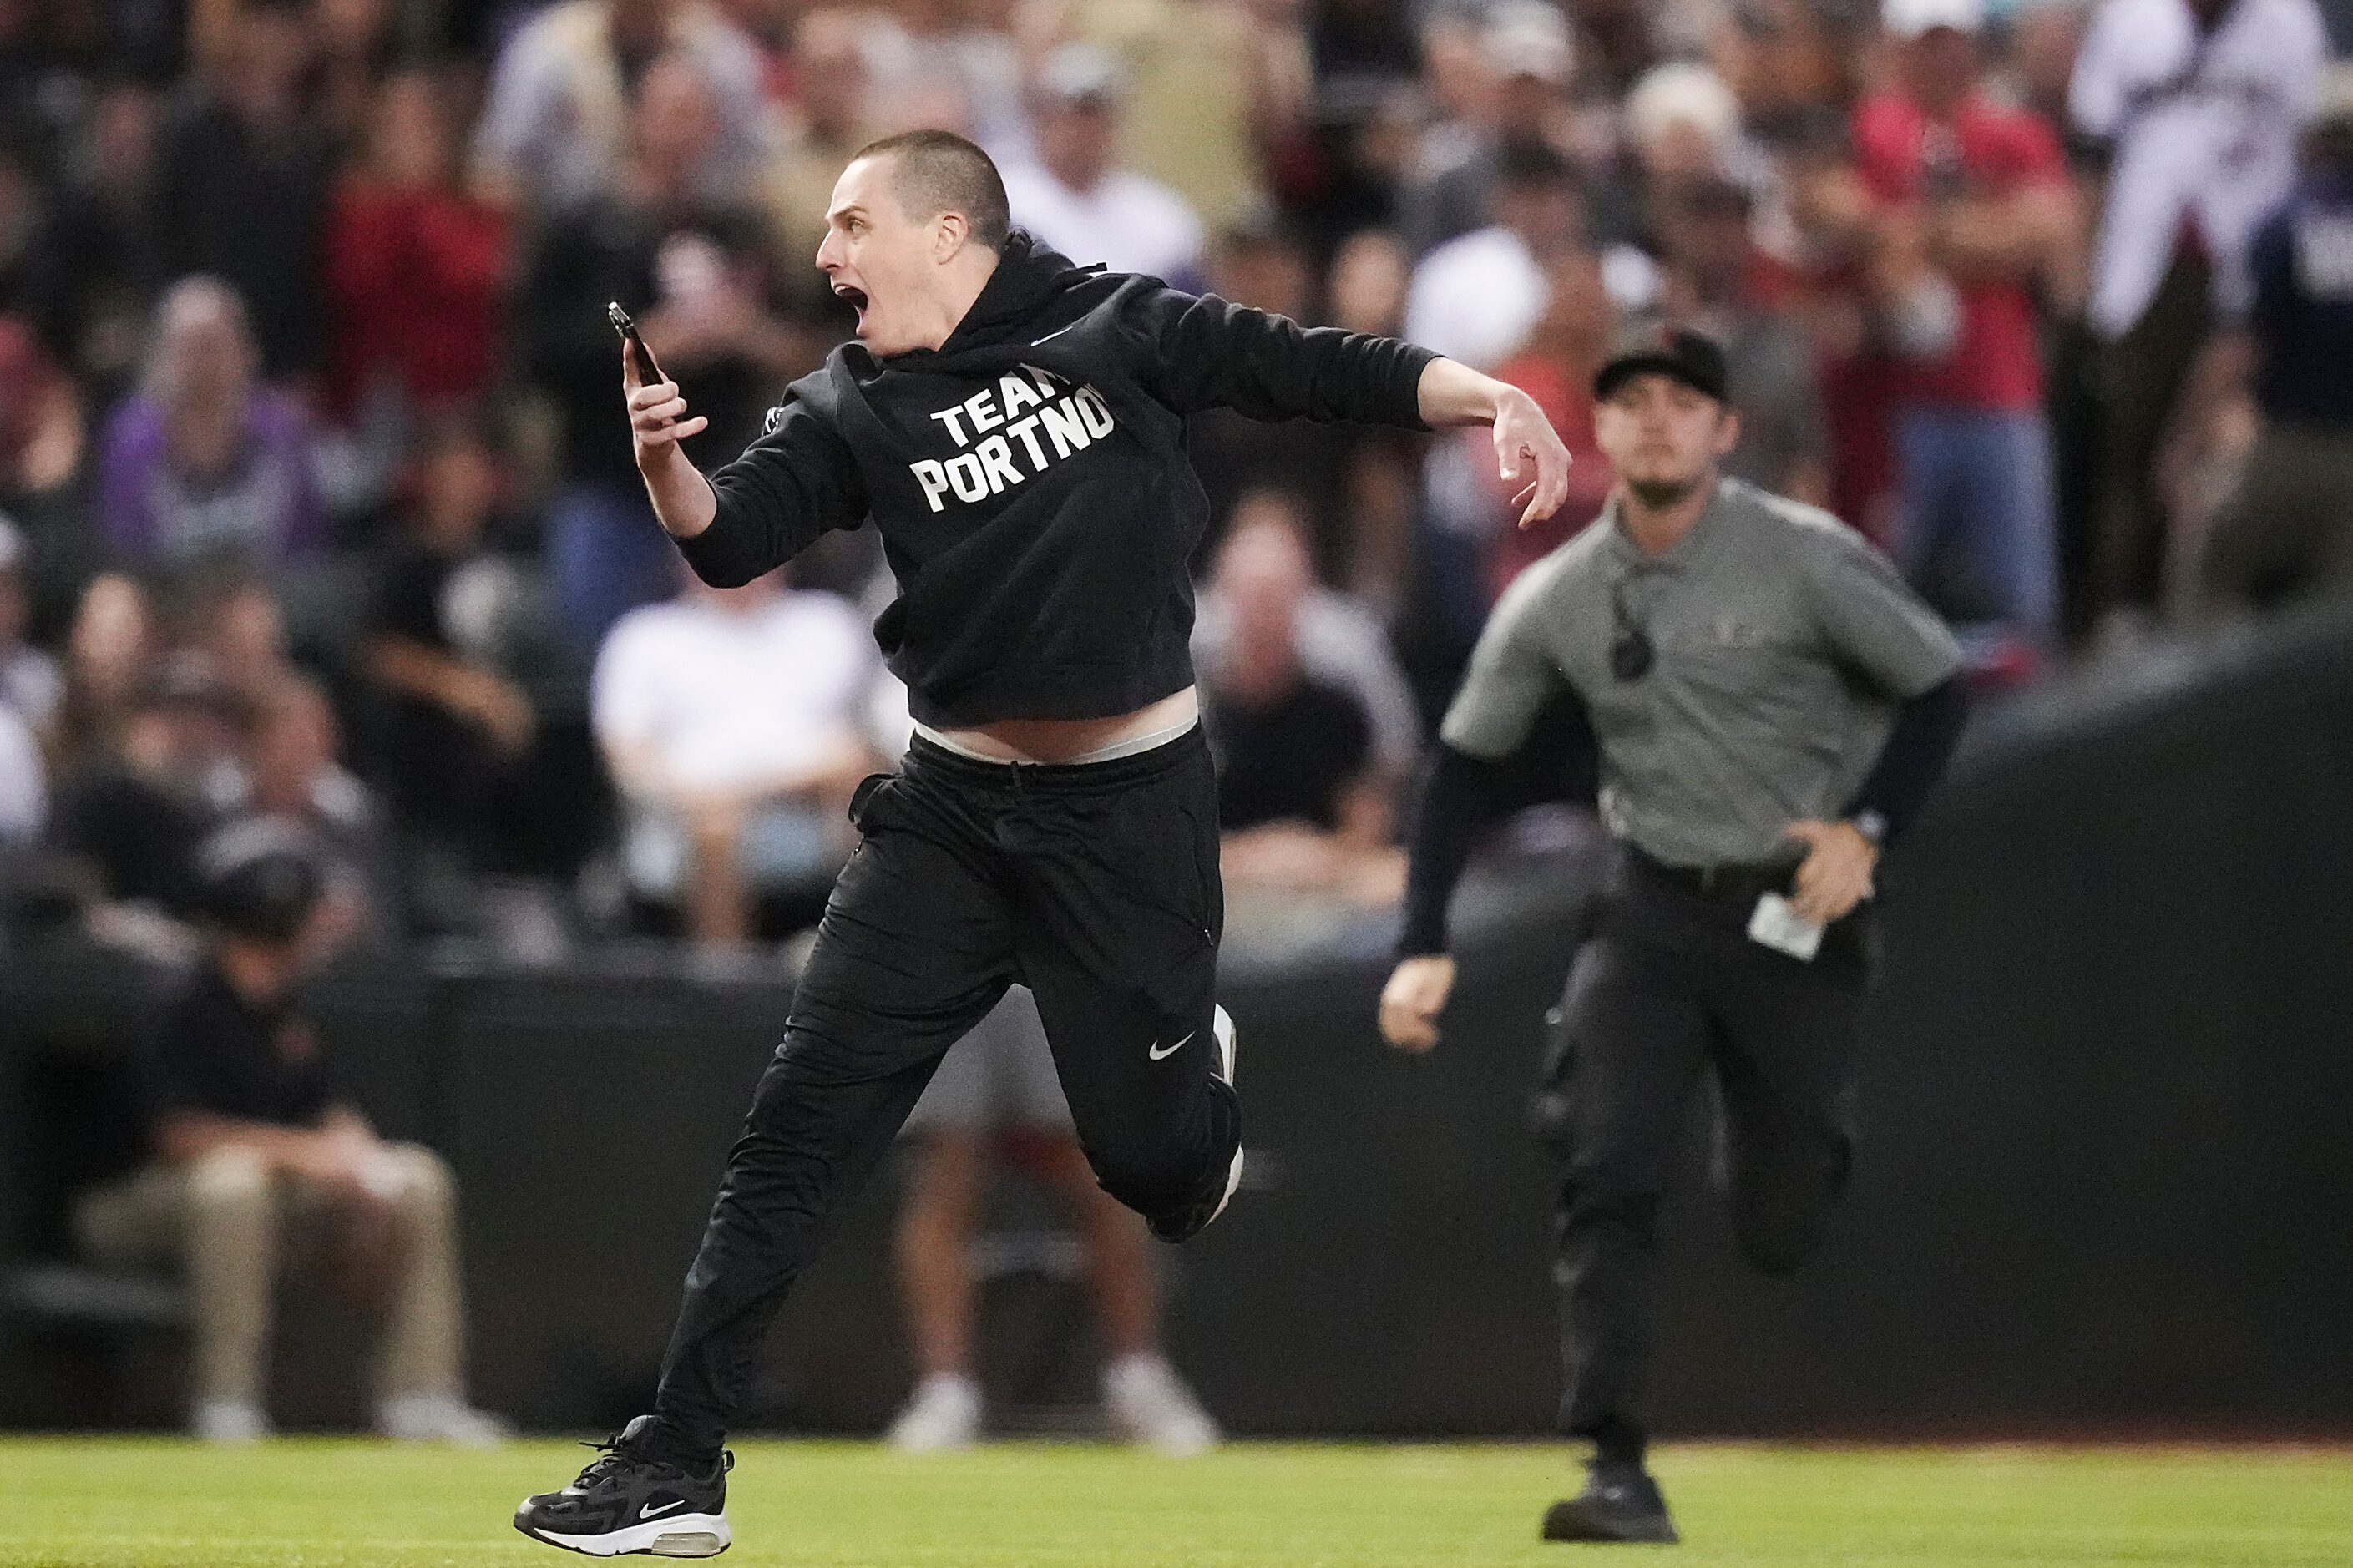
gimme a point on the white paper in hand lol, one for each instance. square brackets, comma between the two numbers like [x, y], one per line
[1778, 925]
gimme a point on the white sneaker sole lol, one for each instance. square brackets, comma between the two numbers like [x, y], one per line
[1228, 1048]
[679, 1535]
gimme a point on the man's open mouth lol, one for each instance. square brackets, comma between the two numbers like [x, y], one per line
[854, 296]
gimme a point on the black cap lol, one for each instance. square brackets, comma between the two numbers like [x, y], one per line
[1694, 360]
[258, 878]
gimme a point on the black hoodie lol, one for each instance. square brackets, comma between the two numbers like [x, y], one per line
[1031, 481]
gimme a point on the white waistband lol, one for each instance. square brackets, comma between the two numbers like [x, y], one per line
[1112, 752]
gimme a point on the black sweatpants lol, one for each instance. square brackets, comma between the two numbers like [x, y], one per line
[1093, 884]
[1667, 986]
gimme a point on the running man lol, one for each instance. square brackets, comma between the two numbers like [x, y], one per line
[1015, 426]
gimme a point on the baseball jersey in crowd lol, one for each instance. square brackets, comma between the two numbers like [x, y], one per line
[218, 1053]
[264, 507]
[451, 603]
[1031, 478]
[1127, 222]
[1988, 150]
[2203, 124]
[728, 696]
[1290, 758]
[1782, 644]
[2302, 320]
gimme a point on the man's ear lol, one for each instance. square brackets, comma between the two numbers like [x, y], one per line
[950, 230]
[1727, 432]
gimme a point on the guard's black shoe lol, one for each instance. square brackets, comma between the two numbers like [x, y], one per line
[626, 1502]
[1211, 1203]
[1620, 1502]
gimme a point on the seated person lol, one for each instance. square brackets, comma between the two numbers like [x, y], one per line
[457, 729]
[255, 1164]
[997, 1093]
[1304, 802]
[1341, 640]
[730, 720]
[206, 463]
[129, 814]
[292, 775]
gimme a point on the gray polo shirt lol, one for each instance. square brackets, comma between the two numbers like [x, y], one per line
[1783, 644]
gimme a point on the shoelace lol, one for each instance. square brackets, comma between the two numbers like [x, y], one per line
[609, 1459]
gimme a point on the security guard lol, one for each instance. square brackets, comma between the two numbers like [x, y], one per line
[1764, 706]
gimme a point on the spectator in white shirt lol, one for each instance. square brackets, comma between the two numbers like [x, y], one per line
[1077, 198]
[2198, 103]
[1476, 299]
[732, 722]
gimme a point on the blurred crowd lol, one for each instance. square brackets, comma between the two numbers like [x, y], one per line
[315, 491]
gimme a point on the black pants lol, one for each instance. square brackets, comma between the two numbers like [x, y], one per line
[1093, 884]
[1667, 986]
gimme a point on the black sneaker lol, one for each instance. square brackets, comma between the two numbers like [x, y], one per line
[624, 1503]
[1620, 1502]
[1214, 1199]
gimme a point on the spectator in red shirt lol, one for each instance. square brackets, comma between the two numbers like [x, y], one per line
[416, 268]
[1972, 204]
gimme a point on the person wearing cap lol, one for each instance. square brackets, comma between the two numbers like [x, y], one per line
[1077, 196]
[257, 1160]
[1974, 211]
[1760, 705]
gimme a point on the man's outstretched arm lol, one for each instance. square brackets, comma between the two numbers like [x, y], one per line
[1529, 453]
[1206, 352]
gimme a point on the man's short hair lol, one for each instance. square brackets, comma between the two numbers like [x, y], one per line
[936, 171]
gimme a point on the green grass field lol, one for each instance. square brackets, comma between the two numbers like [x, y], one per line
[317, 1503]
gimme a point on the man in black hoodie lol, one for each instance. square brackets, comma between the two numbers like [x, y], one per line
[1015, 426]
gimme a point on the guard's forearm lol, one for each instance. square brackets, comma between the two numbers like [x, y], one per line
[1452, 392]
[1927, 729]
[1461, 795]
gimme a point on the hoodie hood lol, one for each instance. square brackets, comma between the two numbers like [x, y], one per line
[1034, 286]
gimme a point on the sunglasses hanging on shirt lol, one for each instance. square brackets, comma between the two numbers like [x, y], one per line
[1630, 653]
